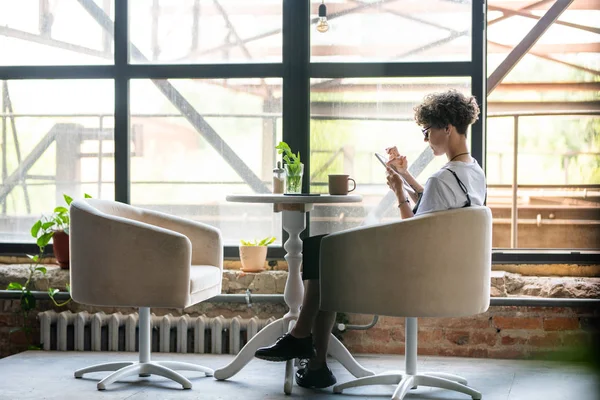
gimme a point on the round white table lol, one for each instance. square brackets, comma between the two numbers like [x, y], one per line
[293, 208]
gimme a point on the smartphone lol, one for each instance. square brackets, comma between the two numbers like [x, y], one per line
[382, 160]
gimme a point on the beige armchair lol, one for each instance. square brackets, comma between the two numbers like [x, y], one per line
[433, 265]
[124, 256]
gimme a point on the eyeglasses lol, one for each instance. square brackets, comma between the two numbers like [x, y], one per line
[426, 132]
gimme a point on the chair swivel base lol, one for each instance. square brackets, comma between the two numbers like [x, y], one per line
[166, 369]
[406, 382]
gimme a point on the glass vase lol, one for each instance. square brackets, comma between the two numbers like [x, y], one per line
[293, 178]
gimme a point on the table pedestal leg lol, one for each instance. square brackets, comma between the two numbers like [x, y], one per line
[293, 224]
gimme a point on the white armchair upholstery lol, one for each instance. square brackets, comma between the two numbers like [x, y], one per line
[433, 265]
[124, 256]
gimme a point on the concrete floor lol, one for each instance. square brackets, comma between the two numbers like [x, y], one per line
[49, 375]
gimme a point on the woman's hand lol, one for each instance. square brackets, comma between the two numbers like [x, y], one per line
[399, 164]
[394, 181]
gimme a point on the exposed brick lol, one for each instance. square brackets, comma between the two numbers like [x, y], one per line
[590, 323]
[430, 335]
[577, 338]
[454, 351]
[548, 311]
[397, 335]
[561, 324]
[379, 334]
[11, 306]
[545, 340]
[479, 322]
[517, 323]
[478, 352]
[8, 320]
[428, 351]
[512, 337]
[489, 338]
[457, 337]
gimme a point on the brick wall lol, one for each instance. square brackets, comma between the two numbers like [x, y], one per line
[501, 332]
[10, 318]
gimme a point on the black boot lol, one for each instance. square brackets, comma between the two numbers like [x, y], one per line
[286, 348]
[315, 378]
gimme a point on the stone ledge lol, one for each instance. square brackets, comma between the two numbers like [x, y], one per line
[503, 284]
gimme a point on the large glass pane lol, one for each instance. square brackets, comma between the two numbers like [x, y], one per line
[351, 119]
[550, 101]
[199, 140]
[57, 138]
[383, 30]
[206, 31]
[55, 32]
[558, 177]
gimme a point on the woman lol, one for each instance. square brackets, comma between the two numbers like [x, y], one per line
[445, 118]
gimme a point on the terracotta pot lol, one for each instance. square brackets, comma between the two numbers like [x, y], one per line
[253, 258]
[60, 244]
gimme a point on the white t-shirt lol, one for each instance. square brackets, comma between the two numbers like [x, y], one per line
[442, 191]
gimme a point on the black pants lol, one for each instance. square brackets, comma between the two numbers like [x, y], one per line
[311, 254]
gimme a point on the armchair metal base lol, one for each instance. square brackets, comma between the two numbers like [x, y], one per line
[406, 382]
[127, 368]
[144, 367]
[410, 379]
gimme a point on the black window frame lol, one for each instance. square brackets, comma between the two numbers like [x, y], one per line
[295, 70]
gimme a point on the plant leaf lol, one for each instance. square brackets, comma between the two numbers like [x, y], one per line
[36, 228]
[87, 196]
[14, 286]
[61, 210]
[34, 258]
[44, 239]
[68, 199]
[52, 292]
[68, 286]
[47, 225]
[43, 270]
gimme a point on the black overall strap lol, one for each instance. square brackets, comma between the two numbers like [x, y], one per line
[463, 188]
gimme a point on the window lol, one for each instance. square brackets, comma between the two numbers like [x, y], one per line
[186, 164]
[208, 88]
[545, 190]
[57, 137]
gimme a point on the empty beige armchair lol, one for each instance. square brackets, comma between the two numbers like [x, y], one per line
[433, 265]
[124, 256]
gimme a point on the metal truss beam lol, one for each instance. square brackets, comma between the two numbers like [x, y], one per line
[186, 109]
[527, 43]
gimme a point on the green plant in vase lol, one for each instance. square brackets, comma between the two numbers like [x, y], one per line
[294, 169]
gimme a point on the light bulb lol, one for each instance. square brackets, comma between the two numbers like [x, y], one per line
[322, 25]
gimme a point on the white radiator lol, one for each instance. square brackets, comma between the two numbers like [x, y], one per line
[117, 332]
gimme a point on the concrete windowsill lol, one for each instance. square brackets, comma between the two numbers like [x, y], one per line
[503, 284]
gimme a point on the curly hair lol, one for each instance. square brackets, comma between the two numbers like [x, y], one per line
[451, 107]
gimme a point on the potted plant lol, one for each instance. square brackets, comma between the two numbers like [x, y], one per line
[55, 227]
[294, 169]
[253, 254]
